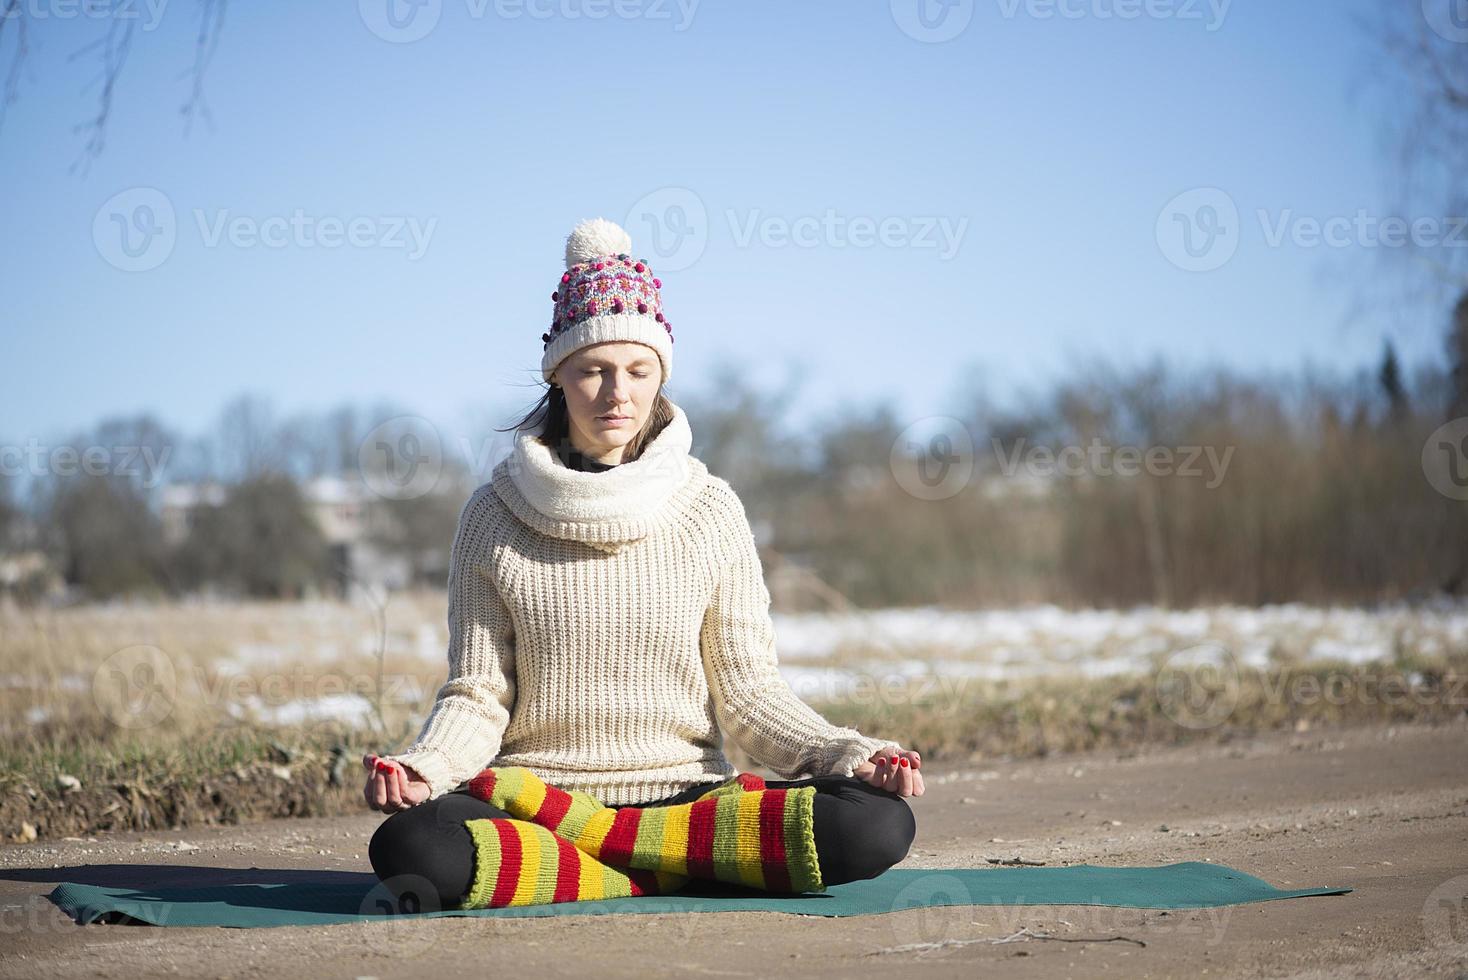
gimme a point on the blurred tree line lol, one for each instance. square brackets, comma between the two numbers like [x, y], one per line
[101, 525]
[1323, 496]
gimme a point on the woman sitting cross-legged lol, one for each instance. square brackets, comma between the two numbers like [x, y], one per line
[608, 619]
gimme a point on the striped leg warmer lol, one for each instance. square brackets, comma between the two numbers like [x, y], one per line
[738, 832]
[522, 863]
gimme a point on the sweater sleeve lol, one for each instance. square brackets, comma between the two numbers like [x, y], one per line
[462, 733]
[753, 702]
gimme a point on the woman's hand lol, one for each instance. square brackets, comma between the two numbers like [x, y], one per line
[893, 769]
[392, 786]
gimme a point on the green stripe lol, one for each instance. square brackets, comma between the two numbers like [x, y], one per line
[508, 782]
[726, 826]
[648, 847]
[550, 862]
[583, 807]
[486, 863]
[800, 840]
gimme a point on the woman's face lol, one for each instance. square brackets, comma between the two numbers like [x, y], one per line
[617, 378]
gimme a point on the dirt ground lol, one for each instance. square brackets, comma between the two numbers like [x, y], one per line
[1381, 810]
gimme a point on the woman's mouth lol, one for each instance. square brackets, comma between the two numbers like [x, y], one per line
[613, 419]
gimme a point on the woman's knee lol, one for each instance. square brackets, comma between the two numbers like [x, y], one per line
[895, 828]
[424, 855]
[862, 830]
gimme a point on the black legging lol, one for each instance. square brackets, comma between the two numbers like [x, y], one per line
[860, 831]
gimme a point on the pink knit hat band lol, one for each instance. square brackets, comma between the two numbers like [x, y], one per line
[605, 294]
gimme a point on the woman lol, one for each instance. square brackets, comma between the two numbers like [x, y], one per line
[608, 617]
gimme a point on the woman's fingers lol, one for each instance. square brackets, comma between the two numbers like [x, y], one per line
[389, 775]
[405, 798]
[894, 778]
[379, 789]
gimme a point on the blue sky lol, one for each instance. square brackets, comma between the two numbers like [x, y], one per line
[1047, 138]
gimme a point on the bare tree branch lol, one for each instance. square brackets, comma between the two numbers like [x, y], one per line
[14, 13]
[114, 45]
[211, 21]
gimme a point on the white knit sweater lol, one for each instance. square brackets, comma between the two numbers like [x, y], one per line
[605, 626]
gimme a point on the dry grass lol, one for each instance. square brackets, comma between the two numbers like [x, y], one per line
[179, 714]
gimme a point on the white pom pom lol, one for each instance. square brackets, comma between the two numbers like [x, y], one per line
[594, 238]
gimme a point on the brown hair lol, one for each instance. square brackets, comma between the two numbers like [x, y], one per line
[552, 408]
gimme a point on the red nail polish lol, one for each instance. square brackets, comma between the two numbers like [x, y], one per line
[894, 760]
[383, 766]
[904, 761]
[881, 762]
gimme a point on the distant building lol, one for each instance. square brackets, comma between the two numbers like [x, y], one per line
[180, 503]
[352, 519]
[30, 574]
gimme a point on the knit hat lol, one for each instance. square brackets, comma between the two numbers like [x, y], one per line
[605, 294]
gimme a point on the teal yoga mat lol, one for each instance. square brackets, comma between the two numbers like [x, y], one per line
[355, 898]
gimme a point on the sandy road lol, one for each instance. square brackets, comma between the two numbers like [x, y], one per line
[1384, 811]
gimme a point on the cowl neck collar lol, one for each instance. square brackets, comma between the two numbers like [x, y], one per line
[609, 508]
